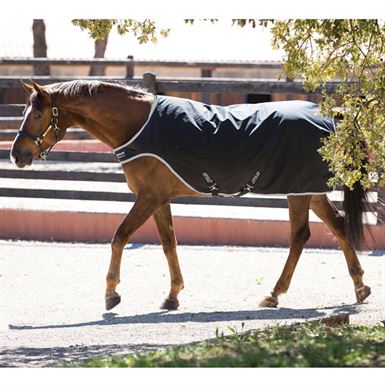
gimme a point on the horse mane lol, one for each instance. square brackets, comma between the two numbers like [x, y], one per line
[78, 88]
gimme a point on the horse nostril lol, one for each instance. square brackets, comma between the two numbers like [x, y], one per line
[14, 158]
[21, 159]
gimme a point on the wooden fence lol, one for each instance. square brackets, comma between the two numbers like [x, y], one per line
[166, 85]
[72, 156]
[130, 63]
[10, 118]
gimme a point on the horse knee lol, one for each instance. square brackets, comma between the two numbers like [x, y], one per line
[119, 240]
[301, 235]
[168, 245]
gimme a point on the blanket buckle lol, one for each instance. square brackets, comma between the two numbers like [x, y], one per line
[249, 185]
[214, 189]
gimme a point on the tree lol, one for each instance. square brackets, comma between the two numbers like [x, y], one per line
[100, 50]
[39, 46]
[351, 51]
[99, 30]
[145, 31]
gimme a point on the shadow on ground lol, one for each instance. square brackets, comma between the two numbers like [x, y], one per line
[57, 356]
[218, 316]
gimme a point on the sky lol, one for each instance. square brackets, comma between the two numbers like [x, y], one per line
[202, 41]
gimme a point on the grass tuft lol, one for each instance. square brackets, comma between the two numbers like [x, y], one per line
[299, 345]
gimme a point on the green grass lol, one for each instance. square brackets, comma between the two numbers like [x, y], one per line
[299, 345]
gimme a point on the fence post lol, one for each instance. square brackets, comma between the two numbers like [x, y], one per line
[130, 67]
[149, 81]
[206, 73]
[380, 205]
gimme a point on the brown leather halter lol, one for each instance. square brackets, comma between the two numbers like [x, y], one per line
[38, 140]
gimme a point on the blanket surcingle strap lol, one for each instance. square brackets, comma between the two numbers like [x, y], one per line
[266, 148]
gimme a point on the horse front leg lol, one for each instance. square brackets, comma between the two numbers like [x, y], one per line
[143, 208]
[163, 220]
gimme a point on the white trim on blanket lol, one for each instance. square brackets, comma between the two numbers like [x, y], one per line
[167, 165]
[305, 193]
[149, 154]
[155, 102]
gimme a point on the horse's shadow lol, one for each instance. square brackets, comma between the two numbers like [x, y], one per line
[280, 314]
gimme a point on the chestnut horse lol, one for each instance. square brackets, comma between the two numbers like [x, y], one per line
[114, 113]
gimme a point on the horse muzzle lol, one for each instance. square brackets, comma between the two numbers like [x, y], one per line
[21, 159]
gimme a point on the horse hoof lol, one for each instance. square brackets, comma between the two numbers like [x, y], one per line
[269, 302]
[112, 302]
[170, 304]
[362, 293]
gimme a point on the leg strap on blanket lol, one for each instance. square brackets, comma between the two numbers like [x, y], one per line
[244, 191]
[249, 186]
[214, 188]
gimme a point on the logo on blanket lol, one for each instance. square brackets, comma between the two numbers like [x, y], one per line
[255, 178]
[207, 177]
[120, 155]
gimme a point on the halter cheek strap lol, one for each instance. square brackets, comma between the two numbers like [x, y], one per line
[38, 140]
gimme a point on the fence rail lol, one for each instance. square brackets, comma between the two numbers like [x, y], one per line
[73, 156]
[9, 134]
[11, 115]
[11, 110]
[165, 85]
[144, 63]
[118, 177]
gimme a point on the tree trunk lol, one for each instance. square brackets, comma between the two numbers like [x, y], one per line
[39, 46]
[100, 50]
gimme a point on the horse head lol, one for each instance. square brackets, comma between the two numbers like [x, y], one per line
[41, 129]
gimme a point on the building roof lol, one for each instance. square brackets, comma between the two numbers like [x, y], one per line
[202, 41]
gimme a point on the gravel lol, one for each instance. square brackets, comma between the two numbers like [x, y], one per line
[52, 297]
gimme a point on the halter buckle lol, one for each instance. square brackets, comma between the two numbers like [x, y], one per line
[43, 155]
[39, 141]
[55, 111]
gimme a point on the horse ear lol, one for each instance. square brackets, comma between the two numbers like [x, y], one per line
[39, 89]
[27, 87]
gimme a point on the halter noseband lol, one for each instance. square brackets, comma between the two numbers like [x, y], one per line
[38, 140]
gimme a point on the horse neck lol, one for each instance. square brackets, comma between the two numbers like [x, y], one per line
[112, 120]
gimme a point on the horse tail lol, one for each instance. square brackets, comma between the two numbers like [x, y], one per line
[355, 204]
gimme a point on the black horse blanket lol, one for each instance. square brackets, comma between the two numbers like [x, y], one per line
[267, 148]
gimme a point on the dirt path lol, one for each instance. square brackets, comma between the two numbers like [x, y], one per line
[52, 307]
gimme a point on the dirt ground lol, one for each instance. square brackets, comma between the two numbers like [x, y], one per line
[52, 297]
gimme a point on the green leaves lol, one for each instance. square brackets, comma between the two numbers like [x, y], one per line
[352, 52]
[145, 31]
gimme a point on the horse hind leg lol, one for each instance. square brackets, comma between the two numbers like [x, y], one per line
[329, 214]
[163, 220]
[299, 234]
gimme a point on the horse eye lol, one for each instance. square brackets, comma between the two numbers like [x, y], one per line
[37, 115]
